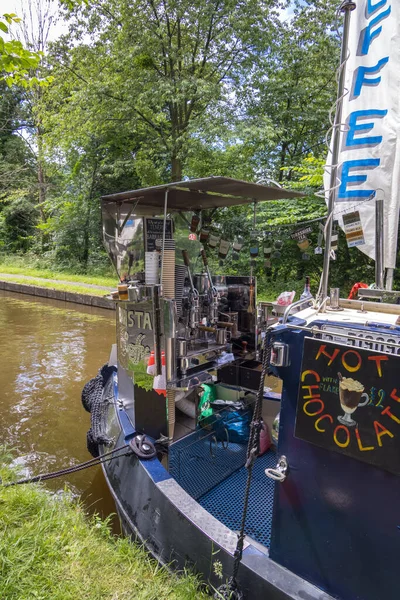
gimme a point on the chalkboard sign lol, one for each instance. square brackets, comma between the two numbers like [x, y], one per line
[153, 230]
[349, 402]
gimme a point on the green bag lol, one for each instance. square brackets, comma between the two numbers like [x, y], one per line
[207, 397]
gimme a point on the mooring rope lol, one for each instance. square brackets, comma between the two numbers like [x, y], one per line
[84, 465]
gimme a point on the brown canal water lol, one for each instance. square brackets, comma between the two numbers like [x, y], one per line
[49, 350]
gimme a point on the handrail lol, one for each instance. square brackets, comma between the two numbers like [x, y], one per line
[314, 330]
[289, 308]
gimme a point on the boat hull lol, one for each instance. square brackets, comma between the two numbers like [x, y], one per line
[180, 533]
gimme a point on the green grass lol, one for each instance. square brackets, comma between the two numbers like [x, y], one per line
[65, 287]
[47, 274]
[50, 550]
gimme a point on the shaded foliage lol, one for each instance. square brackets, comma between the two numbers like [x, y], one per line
[143, 92]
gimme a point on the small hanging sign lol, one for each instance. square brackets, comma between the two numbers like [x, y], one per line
[353, 229]
[194, 223]
[204, 233]
[213, 240]
[267, 252]
[301, 234]
[238, 244]
[303, 244]
[334, 240]
[223, 249]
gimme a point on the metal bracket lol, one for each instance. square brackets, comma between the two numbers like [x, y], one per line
[280, 355]
[280, 471]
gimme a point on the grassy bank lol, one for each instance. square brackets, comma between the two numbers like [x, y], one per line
[49, 550]
[29, 267]
[15, 268]
[54, 285]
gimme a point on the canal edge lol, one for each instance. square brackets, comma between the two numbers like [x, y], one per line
[44, 292]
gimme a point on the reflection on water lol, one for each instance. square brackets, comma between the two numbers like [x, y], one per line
[49, 350]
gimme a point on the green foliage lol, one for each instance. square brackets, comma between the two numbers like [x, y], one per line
[18, 188]
[309, 175]
[17, 62]
[147, 91]
[296, 85]
[17, 225]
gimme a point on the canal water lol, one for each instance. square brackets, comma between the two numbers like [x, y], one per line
[49, 350]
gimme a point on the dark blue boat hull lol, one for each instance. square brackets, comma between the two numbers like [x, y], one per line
[180, 533]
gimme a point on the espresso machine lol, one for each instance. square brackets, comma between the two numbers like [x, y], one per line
[178, 324]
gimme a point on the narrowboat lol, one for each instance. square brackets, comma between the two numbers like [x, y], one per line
[185, 402]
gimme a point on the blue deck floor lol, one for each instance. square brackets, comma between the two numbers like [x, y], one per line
[225, 501]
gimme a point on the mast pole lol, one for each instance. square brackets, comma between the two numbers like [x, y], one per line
[379, 244]
[389, 279]
[347, 7]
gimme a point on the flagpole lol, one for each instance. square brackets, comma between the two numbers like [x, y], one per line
[347, 7]
[389, 279]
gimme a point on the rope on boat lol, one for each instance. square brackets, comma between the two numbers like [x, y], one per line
[231, 590]
[139, 445]
[84, 465]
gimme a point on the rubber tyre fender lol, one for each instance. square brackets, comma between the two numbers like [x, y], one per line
[87, 393]
[92, 445]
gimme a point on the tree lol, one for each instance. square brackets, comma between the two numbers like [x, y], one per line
[161, 68]
[18, 216]
[297, 86]
[37, 21]
[20, 194]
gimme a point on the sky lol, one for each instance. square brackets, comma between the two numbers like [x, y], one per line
[58, 28]
[19, 6]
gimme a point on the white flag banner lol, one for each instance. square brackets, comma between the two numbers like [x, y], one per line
[369, 158]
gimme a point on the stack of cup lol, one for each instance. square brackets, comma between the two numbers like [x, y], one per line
[168, 269]
[180, 275]
[152, 262]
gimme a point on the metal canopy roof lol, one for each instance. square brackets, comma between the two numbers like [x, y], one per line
[209, 192]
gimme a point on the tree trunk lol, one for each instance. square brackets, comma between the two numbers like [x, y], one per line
[86, 238]
[282, 161]
[176, 169]
[86, 233]
[41, 178]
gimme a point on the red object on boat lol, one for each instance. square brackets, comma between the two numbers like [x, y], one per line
[160, 381]
[354, 290]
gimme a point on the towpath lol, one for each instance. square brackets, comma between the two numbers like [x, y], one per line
[14, 277]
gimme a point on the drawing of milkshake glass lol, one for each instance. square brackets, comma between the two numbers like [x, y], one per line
[350, 394]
